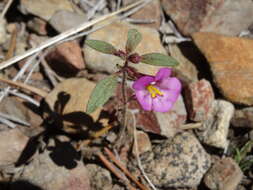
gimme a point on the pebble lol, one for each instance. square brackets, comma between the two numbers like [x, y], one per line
[12, 143]
[180, 162]
[116, 34]
[210, 16]
[243, 118]
[61, 20]
[199, 97]
[144, 144]
[44, 9]
[214, 130]
[3, 35]
[223, 175]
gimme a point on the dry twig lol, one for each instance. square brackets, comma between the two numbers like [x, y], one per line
[65, 35]
[124, 169]
[7, 6]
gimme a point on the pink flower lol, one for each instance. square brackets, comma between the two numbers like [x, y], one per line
[157, 93]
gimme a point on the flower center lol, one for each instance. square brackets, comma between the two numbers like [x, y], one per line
[154, 91]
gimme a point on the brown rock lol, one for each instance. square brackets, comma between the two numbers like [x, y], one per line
[199, 97]
[143, 142]
[224, 175]
[152, 11]
[116, 34]
[12, 143]
[68, 54]
[74, 94]
[210, 16]
[230, 59]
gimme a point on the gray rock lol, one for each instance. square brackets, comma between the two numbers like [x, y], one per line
[57, 169]
[12, 143]
[100, 178]
[61, 20]
[3, 36]
[243, 118]
[224, 175]
[220, 16]
[44, 8]
[215, 129]
[116, 34]
[181, 162]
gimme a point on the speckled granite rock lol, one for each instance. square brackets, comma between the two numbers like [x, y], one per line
[224, 175]
[181, 162]
[199, 97]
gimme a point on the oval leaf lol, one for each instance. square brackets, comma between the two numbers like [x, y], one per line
[133, 39]
[101, 46]
[158, 59]
[101, 93]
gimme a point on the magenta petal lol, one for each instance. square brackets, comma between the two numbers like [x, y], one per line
[142, 82]
[163, 73]
[144, 99]
[170, 95]
[161, 105]
[170, 84]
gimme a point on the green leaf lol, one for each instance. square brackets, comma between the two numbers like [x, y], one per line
[101, 46]
[101, 93]
[133, 39]
[158, 59]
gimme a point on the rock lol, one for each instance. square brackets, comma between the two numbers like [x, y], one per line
[214, 130]
[73, 94]
[44, 8]
[230, 60]
[181, 162]
[12, 107]
[144, 144]
[66, 58]
[167, 124]
[116, 34]
[12, 143]
[243, 117]
[151, 11]
[186, 71]
[210, 16]
[3, 36]
[61, 20]
[57, 169]
[100, 178]
[38, 25]
[199, 98]
[223, 175]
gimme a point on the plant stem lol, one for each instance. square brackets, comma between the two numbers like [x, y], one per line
[124, 109]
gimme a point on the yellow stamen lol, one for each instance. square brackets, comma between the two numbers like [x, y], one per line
[153, 91]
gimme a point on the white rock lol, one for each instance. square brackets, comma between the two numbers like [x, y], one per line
[2, 31]
[217, 125]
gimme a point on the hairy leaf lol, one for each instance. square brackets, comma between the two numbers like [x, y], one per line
[101, 46]
[158, 59]
[133, 39]
[101, 93]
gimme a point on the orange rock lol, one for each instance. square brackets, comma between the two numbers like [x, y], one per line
[231, 62]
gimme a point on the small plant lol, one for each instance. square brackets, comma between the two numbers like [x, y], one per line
[244, 160]
[154, 93]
